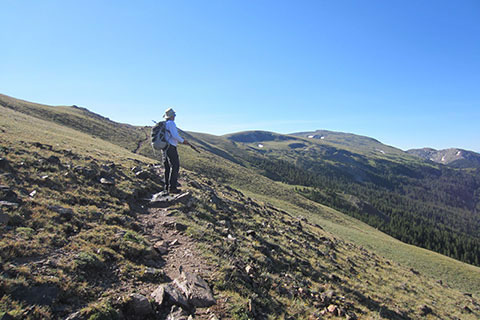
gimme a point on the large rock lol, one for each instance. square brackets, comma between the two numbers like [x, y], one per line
[54, 160]
[154, 274]
[169, 292]
[8, 204]
[89, 173]
[7, 194]
[161, 247]
[144, 174]
[65, 213]
[159, 295]
[162, 200]
[139, 305]
[196, 290]
[424, 310]
[5, 165]
[4, 218]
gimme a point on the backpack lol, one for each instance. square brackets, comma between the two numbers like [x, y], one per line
[158, 136]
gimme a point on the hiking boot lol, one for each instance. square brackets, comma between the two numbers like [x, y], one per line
[175, 191]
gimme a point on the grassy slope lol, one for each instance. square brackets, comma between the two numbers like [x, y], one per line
[65, 261]
[18, 127]
[23, 127]
[439, 267]
[81, 119]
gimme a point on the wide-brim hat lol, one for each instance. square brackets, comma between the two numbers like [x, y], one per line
[169, 113]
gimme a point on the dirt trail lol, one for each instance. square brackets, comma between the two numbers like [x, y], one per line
[159, 225]
[141, 142]
[182, 252]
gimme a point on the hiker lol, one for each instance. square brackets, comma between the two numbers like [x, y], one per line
[170, 155]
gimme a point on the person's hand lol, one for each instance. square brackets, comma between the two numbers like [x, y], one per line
[185, 141]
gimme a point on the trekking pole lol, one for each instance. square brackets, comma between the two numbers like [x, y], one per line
[193, 147]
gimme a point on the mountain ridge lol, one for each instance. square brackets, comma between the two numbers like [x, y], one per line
[251, 135]
[455, 157]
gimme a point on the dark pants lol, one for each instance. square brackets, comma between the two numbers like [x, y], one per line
[172, 166]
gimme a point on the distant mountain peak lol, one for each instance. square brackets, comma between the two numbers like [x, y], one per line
[324, 134]
[359, 143]
[453, 157]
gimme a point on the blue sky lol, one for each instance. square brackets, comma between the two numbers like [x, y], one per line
[404, 72]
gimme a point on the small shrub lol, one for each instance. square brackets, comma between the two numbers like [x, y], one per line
[240, 313]
[109, 254]
[25, 232]
[115, 219]
[133, 250]
[134, 237]
[88, 261]
[100, 311]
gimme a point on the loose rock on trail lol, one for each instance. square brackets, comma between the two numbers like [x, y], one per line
[186, 271]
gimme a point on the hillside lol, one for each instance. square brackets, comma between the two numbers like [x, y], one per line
[457, 158]
[79, 241]
[81, 119]
[416, 201]
[351, 142]
[257, 136]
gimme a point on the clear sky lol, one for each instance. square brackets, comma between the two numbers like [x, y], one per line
[406, 72]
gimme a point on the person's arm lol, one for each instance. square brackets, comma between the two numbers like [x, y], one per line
[172, 129]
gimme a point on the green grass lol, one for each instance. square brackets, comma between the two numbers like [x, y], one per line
[386, 283]
[21, 127]
[456, 274]
[82, 120]
[83, 244]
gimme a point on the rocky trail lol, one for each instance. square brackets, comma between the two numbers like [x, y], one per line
[179, 252]
[182, 291]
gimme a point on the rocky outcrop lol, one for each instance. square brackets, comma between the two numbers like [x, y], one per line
[188, 292]
[196, 290]
[176, 300]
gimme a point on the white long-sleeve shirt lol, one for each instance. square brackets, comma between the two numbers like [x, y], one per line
[172, 135]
